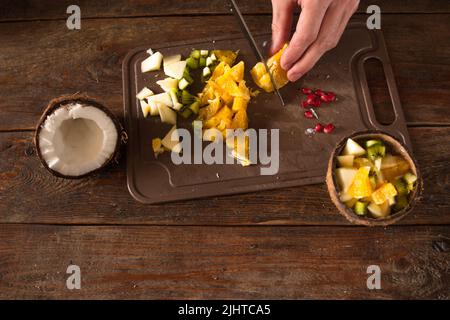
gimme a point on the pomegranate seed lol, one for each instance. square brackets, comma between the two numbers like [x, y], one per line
[308, 114]
[306, 91]
[319, 93]
[310, 99]
[316, 103]
[329, 97]
[328, 128]
[318, 127]
[305, 104]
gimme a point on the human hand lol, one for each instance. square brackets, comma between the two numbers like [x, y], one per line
[318, 30]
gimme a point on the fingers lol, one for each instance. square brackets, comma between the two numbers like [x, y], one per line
[331, 30]
[327, 39]
[281, 23]
[306, 32]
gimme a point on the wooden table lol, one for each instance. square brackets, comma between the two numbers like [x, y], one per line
[287, 243]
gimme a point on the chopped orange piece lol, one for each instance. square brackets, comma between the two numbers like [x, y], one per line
[226, 56]
[262, 78]
[383, 193]
[240, 120]
[237, 72]
[239, 103]
[361, 186]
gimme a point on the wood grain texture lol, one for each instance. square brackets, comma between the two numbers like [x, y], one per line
[29, 194]
[226, 263]
[11, 10]
[43, 60]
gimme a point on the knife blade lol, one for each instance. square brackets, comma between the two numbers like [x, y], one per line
[237, 12]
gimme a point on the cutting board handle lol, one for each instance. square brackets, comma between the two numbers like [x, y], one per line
[380, 54]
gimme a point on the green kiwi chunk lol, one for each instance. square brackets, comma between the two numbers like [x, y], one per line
[370, 143]
[401, 186]
[360, 208]
[376, 151]
[402, 202]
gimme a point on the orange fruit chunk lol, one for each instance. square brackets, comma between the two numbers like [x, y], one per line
[239, 103]
[240, 120]
[383, 193]
[262, 78]
[237, 72]
[226, 56]
[361, 186]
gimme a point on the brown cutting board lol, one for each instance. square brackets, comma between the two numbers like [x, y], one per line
[302, 158]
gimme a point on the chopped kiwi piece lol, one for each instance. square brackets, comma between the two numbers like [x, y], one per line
[187, 76]
[195, 107]
[186, 113]
[360, 208]
[192, 63]
[370, 143]
[202, 62]
[402, 202]
[410, 178]
[195, 54]
[187, 98]
[376, 151]
[401, 186]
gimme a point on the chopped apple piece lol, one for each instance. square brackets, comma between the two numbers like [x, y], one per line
[353, 148]
[166, 114]
[344, 197]
[175, 70]
[153, 108]
[379, 211]
[172, 140]
[163, 98]
[145, 108]
[171, 59]
[346, 161]
[390, 161]
[345, 178]
[152, 63]
[183, 84]
[167, 84]
[144, 93]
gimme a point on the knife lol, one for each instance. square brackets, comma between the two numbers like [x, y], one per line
[251, 40]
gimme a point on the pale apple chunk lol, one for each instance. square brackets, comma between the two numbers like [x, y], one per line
[353, 148]
[152, 63]
[166, 114]
[345, 178]
[172, 140]
[346, 161]
[175, 70]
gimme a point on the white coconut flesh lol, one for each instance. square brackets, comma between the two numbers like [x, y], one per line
[77, 139]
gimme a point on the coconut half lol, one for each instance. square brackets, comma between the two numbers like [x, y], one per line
[76, 136]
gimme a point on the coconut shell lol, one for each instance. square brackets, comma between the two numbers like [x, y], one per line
[395, 147]
[83, 99]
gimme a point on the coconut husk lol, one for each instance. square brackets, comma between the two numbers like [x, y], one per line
[84, 99]
[395, 147]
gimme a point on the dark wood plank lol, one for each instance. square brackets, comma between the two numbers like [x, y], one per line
[43, 60]
[38, 9]
[225, 263]
[29, 194]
